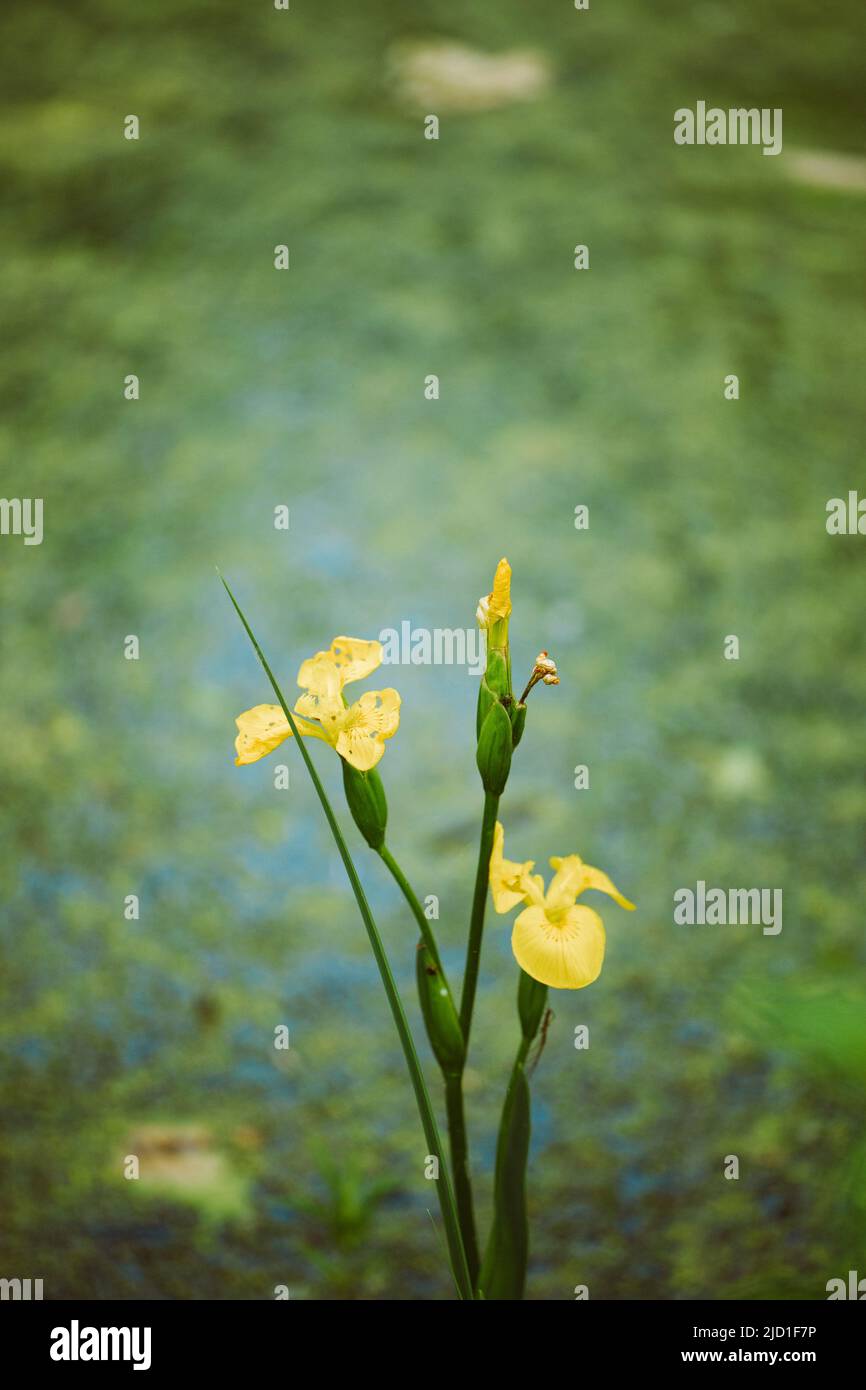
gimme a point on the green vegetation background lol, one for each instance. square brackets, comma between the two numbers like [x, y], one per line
[409, 257]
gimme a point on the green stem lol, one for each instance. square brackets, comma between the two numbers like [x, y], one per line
[479, 903]
[459, 1265]
[453, 1088]
[417, 910]
[460, 1168]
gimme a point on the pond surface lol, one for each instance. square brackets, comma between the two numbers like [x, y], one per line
[558, 389]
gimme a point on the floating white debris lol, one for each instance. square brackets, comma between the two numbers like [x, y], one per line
[439, 76]
[824, 169]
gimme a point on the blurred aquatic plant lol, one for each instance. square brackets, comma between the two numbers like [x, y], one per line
[822, 1032]
[825, 1026]
[349, 1201]
[557, 942]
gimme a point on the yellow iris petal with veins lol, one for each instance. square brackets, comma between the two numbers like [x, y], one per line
[358, 732]
[555, 939]
[262, 729]
[567, 954]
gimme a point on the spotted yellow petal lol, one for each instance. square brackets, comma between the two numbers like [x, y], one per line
[573, 877]
[262, 729]
[365, 727]
[566, 952]
[511, 883]
[354, 658]
[326, 707]
[349, 659]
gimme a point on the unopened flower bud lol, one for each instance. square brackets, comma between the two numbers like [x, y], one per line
[494, 749]
[440, 1015]
[365, 797]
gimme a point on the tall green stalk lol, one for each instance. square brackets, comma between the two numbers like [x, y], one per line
[479, 904]
[453, 1088]
[460, 1167]
[457, 1253]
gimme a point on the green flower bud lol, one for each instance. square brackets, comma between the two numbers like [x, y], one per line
[440, 1015]
[365, 797]
[494, 750]
[518, 723]
[531, 1002]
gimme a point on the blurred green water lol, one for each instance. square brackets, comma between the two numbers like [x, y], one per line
[707, 517]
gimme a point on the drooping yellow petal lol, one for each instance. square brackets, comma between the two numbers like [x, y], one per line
[365, 727]
[566, 952]
[355, 658]
[260, 731]
[596, 879]
[573, 877]
[511, 883]
[264, 728]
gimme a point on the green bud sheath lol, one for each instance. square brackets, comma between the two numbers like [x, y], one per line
[494, 750]
[486, 698]
[531, 1003]
[365, 797]
[440, 1015]
[503, 1272]
[497, 673]
[518, 723]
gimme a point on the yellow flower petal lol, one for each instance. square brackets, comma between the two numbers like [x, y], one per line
[511, 883]
[320, 676]
[349, 659]
[262, 729]
[573, 877]
[355, 658]
[566, 883]
[596, 879]
[566, 953]
[381, 711]
[327, 708]
[366, 725]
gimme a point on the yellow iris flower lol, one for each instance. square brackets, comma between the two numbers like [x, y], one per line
[556, 940]
[357, 731]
